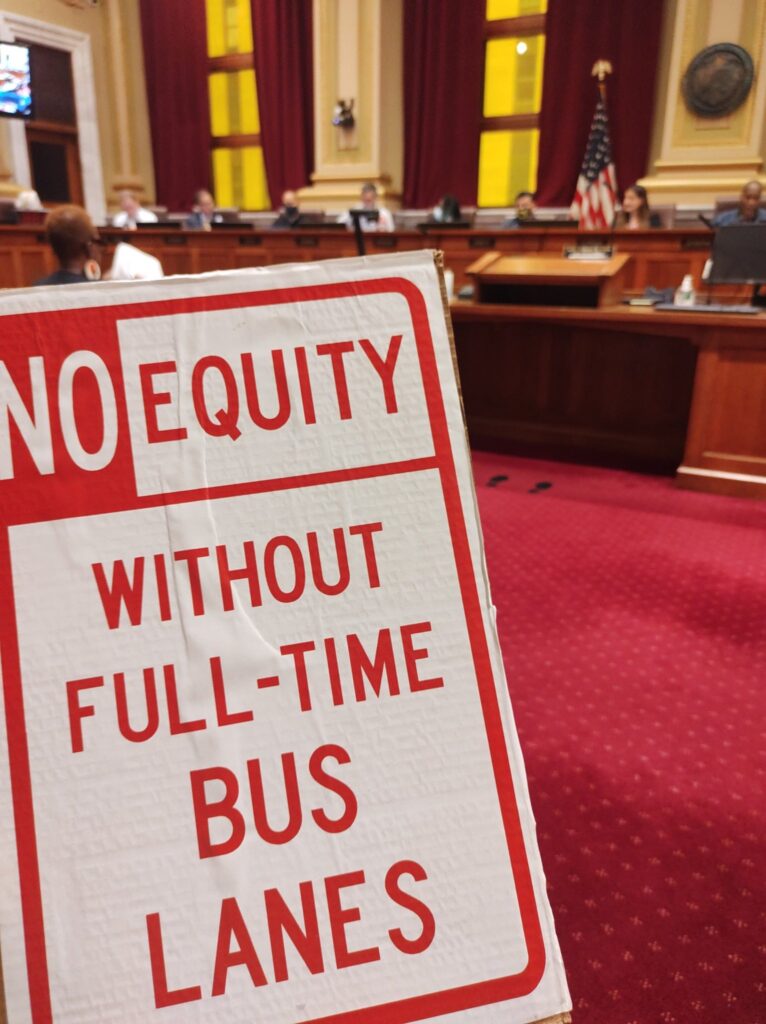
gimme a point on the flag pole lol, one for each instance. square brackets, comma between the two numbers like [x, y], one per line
[595, 198]
[601, 69]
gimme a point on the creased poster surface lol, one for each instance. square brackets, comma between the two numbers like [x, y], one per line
[259, 762]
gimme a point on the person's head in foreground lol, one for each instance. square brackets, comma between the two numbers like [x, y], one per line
[73, 237]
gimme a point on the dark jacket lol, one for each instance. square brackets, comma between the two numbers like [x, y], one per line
[62, 277]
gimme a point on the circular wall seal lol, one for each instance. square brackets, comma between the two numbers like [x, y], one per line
[718, 80]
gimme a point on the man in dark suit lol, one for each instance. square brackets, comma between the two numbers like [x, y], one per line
[525, 210]
[203, 213]
[289, 211]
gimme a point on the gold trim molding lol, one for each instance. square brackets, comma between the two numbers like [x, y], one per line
[753, 163]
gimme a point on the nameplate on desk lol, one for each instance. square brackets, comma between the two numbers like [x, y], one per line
[384, 242]
[306, 241]
[691, 244]
[481, 242]
[588, 252]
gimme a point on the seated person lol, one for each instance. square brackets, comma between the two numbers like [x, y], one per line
[289, 211]
[635, 213]
[447, 211]
[749, 210]
[369, 199]
[525, 210]
[203, 213]
[132, 213]
[71, 234]
[29, 201]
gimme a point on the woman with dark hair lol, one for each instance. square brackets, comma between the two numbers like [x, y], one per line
[635, 213]
[447, 211]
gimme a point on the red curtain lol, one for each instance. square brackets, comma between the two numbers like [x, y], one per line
[175, 61]
[443, 82]
[284, 72]
[625, 32]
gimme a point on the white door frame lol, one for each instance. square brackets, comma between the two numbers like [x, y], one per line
[77, 44]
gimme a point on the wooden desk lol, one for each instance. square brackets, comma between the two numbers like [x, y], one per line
[549, 280]
[659, 258]
[667, 392]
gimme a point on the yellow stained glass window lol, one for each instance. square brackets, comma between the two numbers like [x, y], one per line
[233, 103]
[507, 165]
[239, 178]
[513, 75]
[500, 9]
[229, 27]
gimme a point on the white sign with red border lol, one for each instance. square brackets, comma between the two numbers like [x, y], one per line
[259, 761]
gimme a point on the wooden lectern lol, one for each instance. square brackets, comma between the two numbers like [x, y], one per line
[548, 280]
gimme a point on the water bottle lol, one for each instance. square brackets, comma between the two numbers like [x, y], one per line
[685, 292]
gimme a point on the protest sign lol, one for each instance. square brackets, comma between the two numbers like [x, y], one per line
[260, 762]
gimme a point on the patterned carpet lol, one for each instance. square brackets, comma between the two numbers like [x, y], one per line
[633, 622]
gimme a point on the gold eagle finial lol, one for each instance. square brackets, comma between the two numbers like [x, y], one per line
[602, 68]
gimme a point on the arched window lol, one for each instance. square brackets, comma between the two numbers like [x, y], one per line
[239, 176]
[513, 85]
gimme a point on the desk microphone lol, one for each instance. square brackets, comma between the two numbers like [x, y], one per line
[706, 221]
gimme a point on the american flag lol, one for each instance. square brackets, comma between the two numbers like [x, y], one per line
[596, 192]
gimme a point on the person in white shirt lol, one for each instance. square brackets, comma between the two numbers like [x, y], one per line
[369, 197]
[132, 213]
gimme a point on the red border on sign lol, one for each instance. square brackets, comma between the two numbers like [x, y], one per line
[400, 1011]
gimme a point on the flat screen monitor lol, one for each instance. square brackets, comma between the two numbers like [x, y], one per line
[161, 225]
[362, 214]
[15, 81]
[739, 254]
[443, 225]
[309, 219]
[544, 222]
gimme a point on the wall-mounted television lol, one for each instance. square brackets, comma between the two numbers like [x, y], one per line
[15, 81]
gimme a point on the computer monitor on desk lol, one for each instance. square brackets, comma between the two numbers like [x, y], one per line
[161, 225]
[321, 225]
[358, 215]
[739, 254]
[443, 225]
[548, 222]
[739, 257]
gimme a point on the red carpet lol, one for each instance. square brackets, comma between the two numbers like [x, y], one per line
[633, 621]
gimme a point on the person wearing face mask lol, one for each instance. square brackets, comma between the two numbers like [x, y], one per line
[446, 211]
[289, 212]
[72, 236]
[525, 211]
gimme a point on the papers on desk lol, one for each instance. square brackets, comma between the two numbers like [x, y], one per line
[575, 255]
[132, 264]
